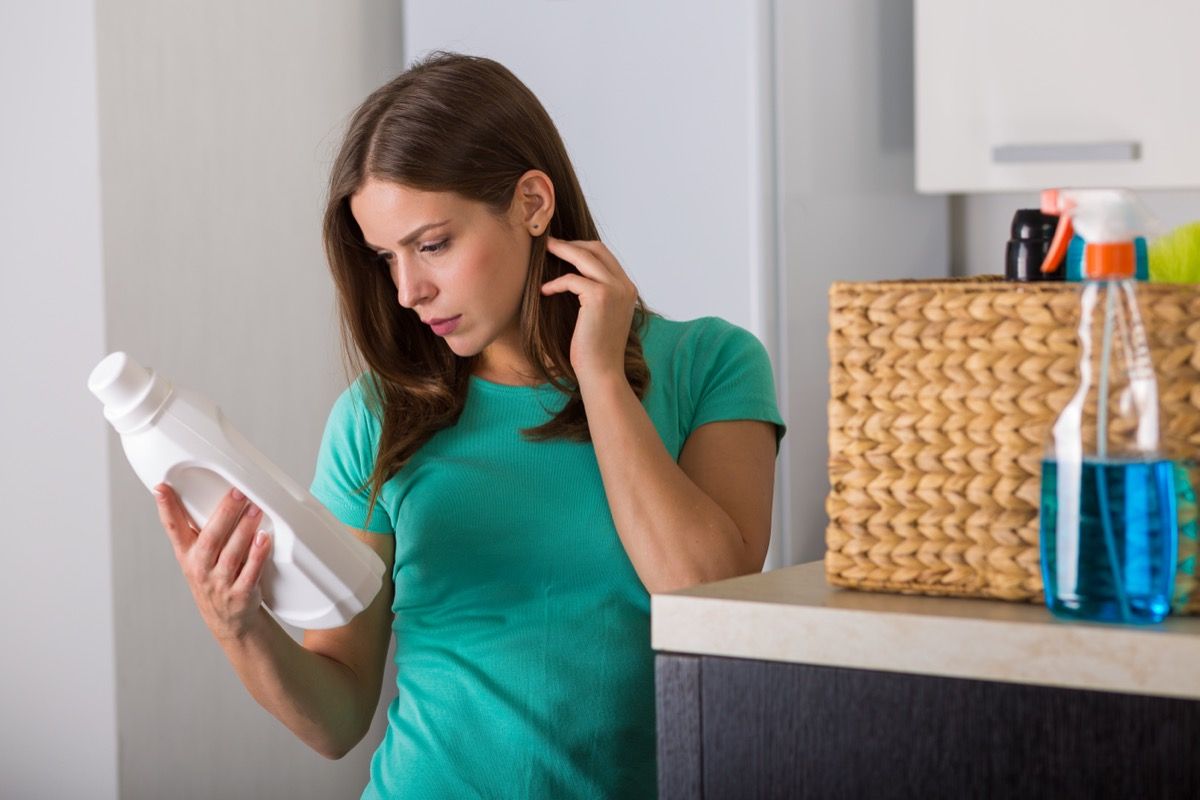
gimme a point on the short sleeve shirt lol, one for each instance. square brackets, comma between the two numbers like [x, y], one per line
[523, 656]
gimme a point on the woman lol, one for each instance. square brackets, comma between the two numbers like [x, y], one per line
[530, 450]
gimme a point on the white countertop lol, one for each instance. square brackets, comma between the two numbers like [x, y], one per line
[793, 615]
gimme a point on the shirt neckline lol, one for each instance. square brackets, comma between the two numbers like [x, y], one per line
[509, 388]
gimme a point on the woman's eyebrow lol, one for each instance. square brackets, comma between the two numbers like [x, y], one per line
[407, 240]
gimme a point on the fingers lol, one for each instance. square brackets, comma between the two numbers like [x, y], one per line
[174, 520]
[217, 530]
[260, 551]
[233, 555]
[600, 294]
[568, 283]
[227, 546]
[591, 258]
[223, 562]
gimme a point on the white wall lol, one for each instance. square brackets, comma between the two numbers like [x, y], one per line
[219, 121]
[58, 721]
[657, 106]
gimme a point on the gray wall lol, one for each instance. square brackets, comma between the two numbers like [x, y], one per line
[58, 719]
[848, 209]
[218, 122]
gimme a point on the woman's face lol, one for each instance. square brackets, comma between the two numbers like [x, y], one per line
[455, 263]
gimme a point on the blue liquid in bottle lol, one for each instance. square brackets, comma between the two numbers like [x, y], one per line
[1113, 559]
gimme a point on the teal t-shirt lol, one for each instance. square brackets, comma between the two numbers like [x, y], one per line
[523, 656]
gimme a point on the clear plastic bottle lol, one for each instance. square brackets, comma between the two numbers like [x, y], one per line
[319, 575]
[1108, 505]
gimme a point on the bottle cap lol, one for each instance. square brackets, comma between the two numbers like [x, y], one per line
[132, 395]
[119, 381]
[1032, 232]
[1110, 260]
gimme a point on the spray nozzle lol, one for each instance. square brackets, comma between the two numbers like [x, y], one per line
[1108, 220]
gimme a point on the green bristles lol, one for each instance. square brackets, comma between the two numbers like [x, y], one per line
[1175, 258]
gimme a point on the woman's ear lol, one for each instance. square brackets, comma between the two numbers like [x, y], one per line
[533, 202]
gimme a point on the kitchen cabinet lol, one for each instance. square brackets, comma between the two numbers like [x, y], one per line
[776, 685]
[1027, 95]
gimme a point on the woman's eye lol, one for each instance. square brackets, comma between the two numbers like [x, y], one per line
[434, 247]
[384, 258]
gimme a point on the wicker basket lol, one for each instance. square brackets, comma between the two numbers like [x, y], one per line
[942, 396]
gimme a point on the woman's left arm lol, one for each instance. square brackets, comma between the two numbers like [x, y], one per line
[704, 518]
[707, 517]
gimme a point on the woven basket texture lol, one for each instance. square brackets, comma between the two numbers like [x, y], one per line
[942, 397]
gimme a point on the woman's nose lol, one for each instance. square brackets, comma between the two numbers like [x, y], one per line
[412, 287]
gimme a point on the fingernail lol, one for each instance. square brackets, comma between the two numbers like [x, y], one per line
[235, 494]
[158, 492]
[260, 539]
[253, 511]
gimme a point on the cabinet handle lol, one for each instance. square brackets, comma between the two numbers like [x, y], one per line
[1078, 151]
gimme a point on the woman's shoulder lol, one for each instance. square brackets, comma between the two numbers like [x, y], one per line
[354, 404]
[663, 337]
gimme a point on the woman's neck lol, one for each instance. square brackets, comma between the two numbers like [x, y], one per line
[506, 368]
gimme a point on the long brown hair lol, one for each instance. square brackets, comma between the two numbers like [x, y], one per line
[463, 124]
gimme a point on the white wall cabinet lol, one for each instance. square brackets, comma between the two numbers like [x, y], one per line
[1025, 94]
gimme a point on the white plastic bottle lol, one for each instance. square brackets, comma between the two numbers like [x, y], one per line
[319, 575]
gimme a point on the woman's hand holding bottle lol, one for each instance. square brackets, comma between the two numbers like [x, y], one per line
[222, 562]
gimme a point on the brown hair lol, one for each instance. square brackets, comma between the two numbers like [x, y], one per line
[467, 125]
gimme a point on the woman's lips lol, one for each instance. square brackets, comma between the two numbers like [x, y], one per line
[443, 327]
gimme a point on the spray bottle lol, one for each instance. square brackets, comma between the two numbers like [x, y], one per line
[1108, 509]
[319, 575]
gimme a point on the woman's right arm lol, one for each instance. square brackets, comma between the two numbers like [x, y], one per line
[326, 690]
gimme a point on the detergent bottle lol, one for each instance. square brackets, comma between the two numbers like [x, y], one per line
[1108, 529]
[319, 575]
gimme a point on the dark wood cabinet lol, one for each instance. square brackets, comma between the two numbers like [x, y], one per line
[741, 728]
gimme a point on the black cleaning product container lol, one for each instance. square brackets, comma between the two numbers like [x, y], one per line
[1032, 232]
